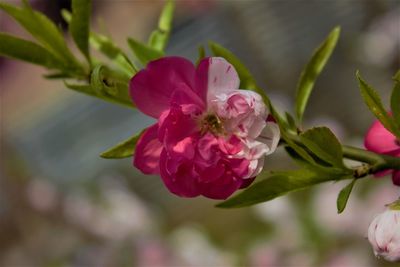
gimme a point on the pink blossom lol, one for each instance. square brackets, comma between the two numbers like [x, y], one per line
[378, 139]
[384, 235]
[210, 138]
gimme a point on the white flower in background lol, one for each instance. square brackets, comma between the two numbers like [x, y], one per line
[384, 234]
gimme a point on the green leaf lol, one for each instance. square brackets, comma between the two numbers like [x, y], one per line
[344, 195]
[374, 103]
[312, 71]
[298, 149]
[44, 30]
[291, 122]
[316, 167]
[107, 85]
[159, 38]
[81, 88]
[79, 25]
[124, 149]
[110, 85]
[324, 144]
[277, 184]
[57, 75]
[106, 46]
[395, 103]
[144, 53]
[17, 48]
[397, 76]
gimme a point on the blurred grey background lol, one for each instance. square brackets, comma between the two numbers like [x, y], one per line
[63, 205]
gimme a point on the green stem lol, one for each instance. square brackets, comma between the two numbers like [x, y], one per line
[379, 161]
[376, 162]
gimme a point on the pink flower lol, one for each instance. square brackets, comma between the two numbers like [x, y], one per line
[384, 235]
[378, 139]
[207, 140]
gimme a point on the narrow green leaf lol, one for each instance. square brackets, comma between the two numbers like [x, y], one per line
[344, 195]
[324, 144]
[57, 75]
[79, 25]
[298, 149]
[291, 122]
[301, 162]
[107, 85]
[312, 71]
[395, 103]
[277, 184]
[159, 38]
[397, 76]
[374, 103]
[81, 88]
[106, 46]
[144, 53]
[43, 29]
[166, 17]
[124, 149]
[17, 48]
[110, 85]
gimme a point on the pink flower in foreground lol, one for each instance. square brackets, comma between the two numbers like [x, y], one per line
[207, 140]
[378, 139]
[384, 235]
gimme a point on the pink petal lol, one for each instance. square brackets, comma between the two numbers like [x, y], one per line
[151, 89]
[177, 123]
[208, 149]
[396, 177]
[147, 152]
[222, 188]
[382, 173]
[380, 140]
[247, 182]
[222, 77]
[182, 179]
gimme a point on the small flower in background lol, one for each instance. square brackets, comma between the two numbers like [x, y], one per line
[378, 139]
[384, 234]
[211, 137]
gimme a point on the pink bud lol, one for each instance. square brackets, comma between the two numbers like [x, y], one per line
[384, 235]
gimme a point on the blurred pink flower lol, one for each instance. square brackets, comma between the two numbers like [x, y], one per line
[207, 140]
[384, 235]
[378, 139]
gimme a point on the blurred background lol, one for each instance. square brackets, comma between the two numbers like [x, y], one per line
[63, 205]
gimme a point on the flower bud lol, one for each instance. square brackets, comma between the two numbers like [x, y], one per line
[384, 234]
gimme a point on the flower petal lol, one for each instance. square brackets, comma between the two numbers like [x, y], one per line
[147, 152]
[177, 123]
[222, 77]
[151, 89]
[181, 180]
[396, 178]
[221, 188]
[380, 140]
[270, 136]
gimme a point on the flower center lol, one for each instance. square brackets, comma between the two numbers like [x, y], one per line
[211, 123]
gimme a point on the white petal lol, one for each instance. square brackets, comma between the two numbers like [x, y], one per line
[222, 78]
[270, 136]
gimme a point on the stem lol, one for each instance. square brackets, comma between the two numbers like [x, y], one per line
[379, 161]
[375, 162]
